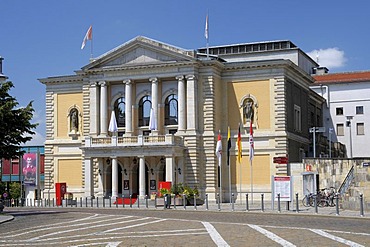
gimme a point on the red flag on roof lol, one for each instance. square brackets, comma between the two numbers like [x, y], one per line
[88, 36]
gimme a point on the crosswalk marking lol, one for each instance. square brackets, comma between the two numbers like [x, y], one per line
[335, 238]
[272, 236]
[216, 237]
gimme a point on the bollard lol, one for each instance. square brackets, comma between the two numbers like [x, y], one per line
[296, 203]
[123, 201]
[315, 203]
[337, 203]
[130, 201]
[92, 201]
[86, 202]
[174, 202]
[279, 208]
[155, 201]
[97, 202]
[246, 202]
[103, 202]
[232, 201]
[110, 201]
[206, 201]
[184, 201]
[262, 204]
[195, 203]
[138, 201]
[218, 202]
[165, 201]
[80, 202]
[146, 201]
[53, 203]
[361, 205]
[116, 202]
[76, 202]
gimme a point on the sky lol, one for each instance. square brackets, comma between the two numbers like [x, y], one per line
[42, 38]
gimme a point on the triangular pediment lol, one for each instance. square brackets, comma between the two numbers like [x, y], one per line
[141, 51]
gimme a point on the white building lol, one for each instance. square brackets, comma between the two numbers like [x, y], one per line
[348, 98]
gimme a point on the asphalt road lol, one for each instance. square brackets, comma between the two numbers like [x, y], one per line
[136, 227]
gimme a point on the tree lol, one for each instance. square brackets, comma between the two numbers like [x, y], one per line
[15, 126]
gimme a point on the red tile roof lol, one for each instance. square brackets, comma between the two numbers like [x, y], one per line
[360, 76]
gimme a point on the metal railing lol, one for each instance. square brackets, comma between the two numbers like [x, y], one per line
[347, 181]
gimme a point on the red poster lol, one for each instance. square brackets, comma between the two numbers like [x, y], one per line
[29, 170]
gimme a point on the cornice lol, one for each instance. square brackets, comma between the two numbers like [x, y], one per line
[61, 79]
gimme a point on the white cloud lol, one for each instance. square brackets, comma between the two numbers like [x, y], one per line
[330, 57]
[37, 140]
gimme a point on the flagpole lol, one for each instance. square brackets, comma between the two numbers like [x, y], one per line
[206, 33]
[220, 166]
[230, 181]
[251, 180]
[240, 180]
[91, 49]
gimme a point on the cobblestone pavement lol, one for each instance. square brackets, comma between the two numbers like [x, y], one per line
[183, 227]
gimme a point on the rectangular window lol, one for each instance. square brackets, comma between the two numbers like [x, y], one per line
[340, 129]
[359, 110]
[339, 111]
[360, 129]
[297, 118]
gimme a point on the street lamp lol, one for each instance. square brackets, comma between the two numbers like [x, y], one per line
[348, 124]
[313, 130]
[330, 132]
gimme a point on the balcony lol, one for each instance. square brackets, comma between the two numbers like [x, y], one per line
[134, 141]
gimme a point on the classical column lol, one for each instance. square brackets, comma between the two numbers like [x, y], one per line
[154, 82]
[114, 178]
[94, 109]
[103, 108]
[89, 182]
[181, 103]
[142, 177]
[128, 107]
[191, 103]
[170, 168]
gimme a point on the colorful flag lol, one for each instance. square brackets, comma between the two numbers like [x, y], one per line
[228, 145]
[88, 36]
[251, 143]
[219, 148]
[239, 141]
[206, 28]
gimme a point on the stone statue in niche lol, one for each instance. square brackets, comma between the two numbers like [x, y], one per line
[74, 120]
[248, 110]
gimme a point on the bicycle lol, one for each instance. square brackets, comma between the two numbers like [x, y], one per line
[326, 197]
[308, 200]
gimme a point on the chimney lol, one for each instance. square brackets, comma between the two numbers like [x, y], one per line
[2, 76]
[320, 70]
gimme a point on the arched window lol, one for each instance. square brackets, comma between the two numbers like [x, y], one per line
[145, 104]
[120, 111]
[171, 110]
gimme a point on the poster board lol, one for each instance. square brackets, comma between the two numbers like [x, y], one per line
[282, 185]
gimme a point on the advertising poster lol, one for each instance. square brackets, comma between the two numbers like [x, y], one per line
[29, 169]
[282, 185]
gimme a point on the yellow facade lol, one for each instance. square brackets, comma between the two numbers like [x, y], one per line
[260, 170]
[70, 171]
[260, 90]
[64, 103]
